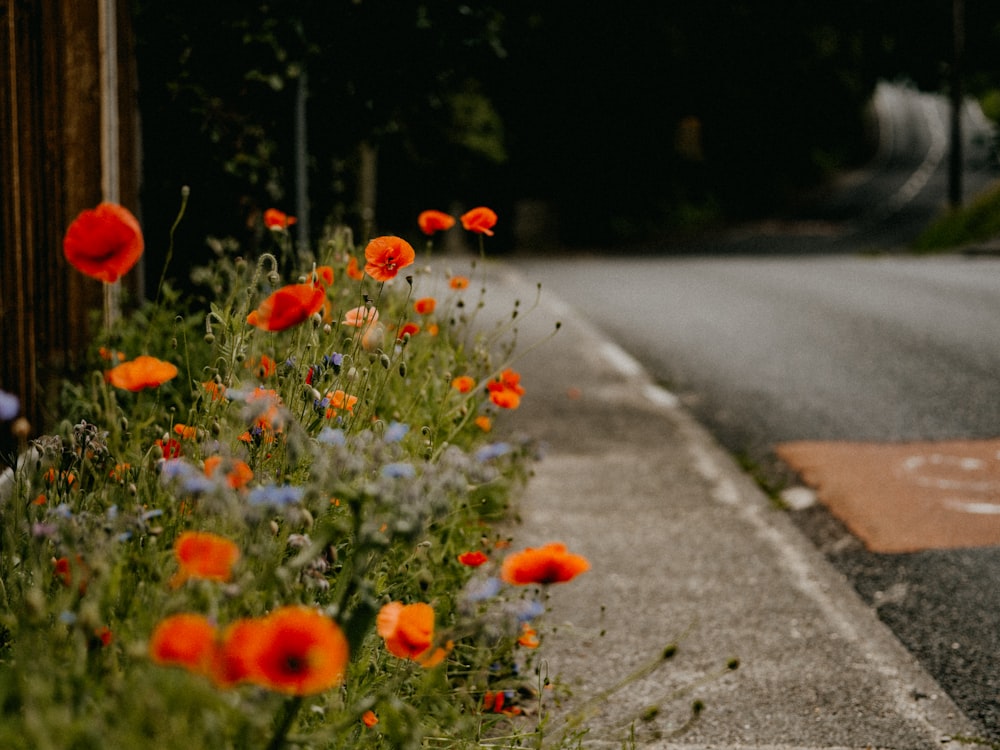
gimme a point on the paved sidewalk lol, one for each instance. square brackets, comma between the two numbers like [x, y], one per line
[686, 550]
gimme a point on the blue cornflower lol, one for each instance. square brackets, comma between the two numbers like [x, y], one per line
[491, 451]
[396, 431]
[9, 406]
[175, 468]
[331, 436]
[528, 610]
[334, 360]
[276, 495]
[399, 470]
[477, 590]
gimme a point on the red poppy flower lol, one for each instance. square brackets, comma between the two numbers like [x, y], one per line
[170, 448]
[385, 256]
[295, 650]
[279, 220]
[104, 243]
[434, 221]
[480, 220]
[424, 305]
[66, 571]
[473, 559]
[141, 372]
[201, 554]
[288, 306]
[186, 640]
[408, 329]
[550, 563]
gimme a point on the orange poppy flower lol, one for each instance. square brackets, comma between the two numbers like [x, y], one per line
[434, 221]
[386, 256]
[473, 559]
[528, 637]
[425, 305]
[550, 563]
[483, 422]
[141, 372]
[339, 400]
[104, 243]
[279, 220]
[353, 272]
[463, 383]
[458, 282]
[295, 650]
[288, 306]
[215, 390]
[186, 640]
[408, 629]
[238, 473]
[369, 719]
[480, 220]
[201, 554]
[187, 432]
[506, 391]
[263, 367]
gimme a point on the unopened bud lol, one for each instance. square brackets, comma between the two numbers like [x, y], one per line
[21, 428]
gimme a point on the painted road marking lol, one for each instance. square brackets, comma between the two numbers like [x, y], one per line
[906, 497]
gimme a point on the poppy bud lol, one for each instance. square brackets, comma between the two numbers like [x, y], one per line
[21, 428]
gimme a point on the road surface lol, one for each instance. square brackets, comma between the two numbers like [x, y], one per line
[807, 330]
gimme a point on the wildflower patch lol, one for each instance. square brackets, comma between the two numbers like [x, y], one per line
[265, 517]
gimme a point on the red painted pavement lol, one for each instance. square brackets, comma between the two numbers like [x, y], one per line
[906, 497]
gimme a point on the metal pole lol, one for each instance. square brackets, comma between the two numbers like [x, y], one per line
[302, 163]
[110, 158]
[955, 157]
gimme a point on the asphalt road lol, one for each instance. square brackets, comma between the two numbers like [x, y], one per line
[794, 329]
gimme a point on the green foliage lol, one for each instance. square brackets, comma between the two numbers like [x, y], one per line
[977, 222]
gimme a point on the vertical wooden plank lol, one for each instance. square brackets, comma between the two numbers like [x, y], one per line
[50, 170]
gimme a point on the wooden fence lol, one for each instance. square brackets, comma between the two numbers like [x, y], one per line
[54, 164]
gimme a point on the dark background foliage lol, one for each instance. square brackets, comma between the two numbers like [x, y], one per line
[576, 105]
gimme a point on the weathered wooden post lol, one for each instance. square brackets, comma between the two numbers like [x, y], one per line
[56, 147]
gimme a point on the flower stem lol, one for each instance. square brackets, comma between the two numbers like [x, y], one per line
[290, 711]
